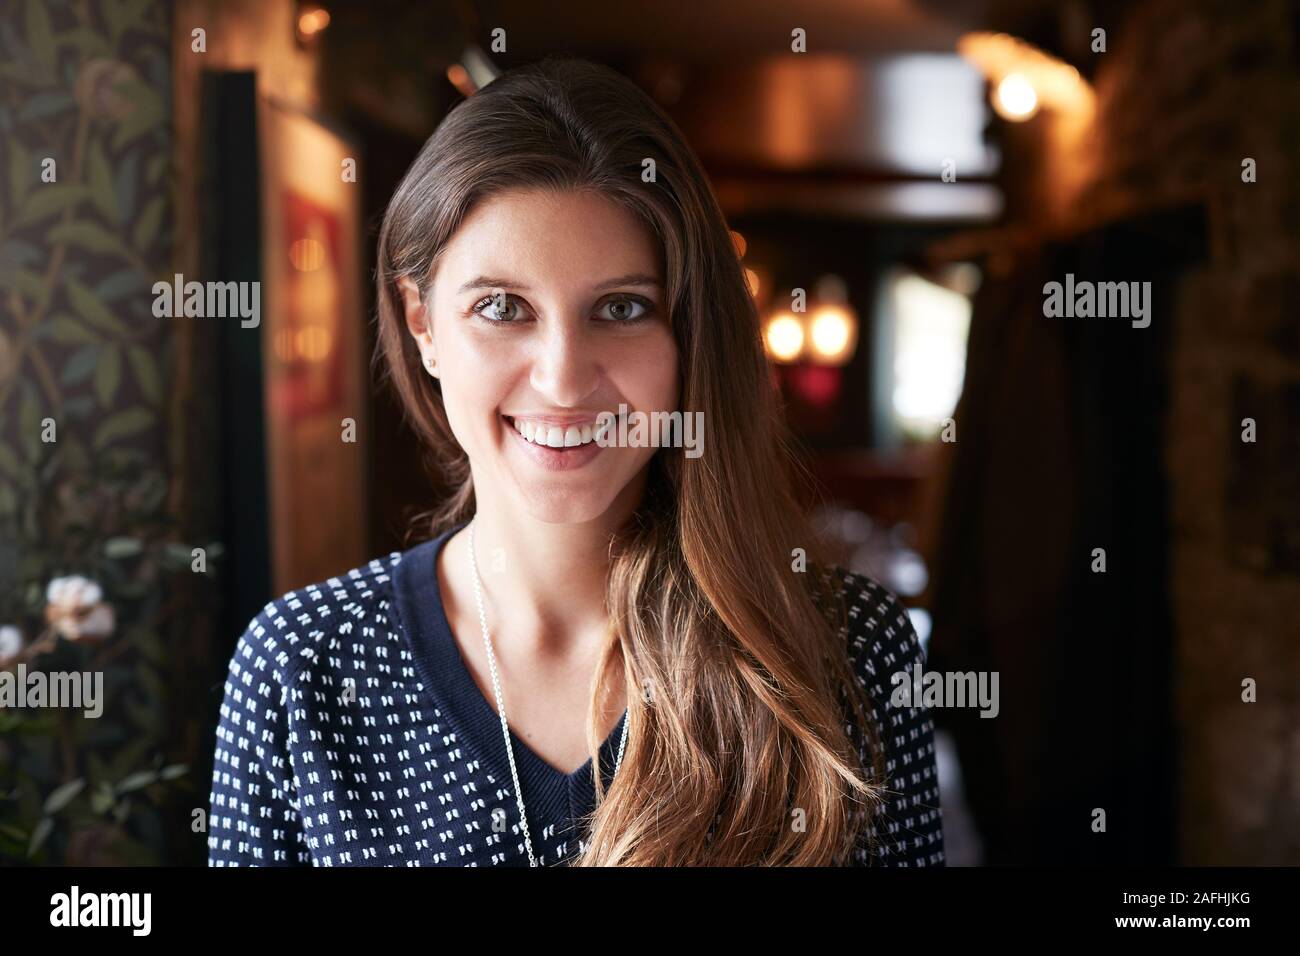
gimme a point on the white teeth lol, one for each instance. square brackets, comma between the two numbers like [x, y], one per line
[556, 436]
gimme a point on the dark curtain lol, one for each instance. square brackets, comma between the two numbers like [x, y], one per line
[1060, 434]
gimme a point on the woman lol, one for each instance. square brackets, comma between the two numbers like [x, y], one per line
[608, 653]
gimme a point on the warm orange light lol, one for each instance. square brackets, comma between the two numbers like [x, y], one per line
[304, 344]
[784, 337]
[1015, 98]
[307, 255]
[312, 20]
[755, 283]
[834, 333]
[1042, 80]
[458, 77]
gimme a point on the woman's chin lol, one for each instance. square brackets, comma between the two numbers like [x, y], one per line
[564, 506]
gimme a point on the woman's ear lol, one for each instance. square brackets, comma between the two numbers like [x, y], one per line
[418, 322]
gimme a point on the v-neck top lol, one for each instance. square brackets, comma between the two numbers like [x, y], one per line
[549, 794]
[352, 733]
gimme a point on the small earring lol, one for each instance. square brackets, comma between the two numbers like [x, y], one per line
[429, 363]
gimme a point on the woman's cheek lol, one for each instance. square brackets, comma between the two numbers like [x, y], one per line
[660, 379]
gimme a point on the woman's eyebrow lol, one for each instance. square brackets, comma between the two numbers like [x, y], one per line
[632, 278]
[490, 282]
[495, 282]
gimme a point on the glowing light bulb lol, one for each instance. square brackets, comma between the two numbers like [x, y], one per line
[1015, 98]
[833, 331]
[784, 337]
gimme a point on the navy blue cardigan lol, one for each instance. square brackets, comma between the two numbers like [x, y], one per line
[352, 733]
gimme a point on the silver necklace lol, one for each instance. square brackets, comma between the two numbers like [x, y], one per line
[501, 707]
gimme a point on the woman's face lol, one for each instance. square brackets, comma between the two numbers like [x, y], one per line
[547, 309]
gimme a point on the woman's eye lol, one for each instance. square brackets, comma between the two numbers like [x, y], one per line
[499, 307]
[624, 309]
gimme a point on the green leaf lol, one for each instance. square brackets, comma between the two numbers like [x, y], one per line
[154, 169]
[145, 370]
[43, 104]
[88, 235]
[48, 199]
[40, 36]
[147, 227]
[102, 800]
[98, 770]
[101, 181]
[13, 832]
[123, 425]
[132, 15]
[85, 40]
[173, 771]
[39, 835]
[146, 115]
[137, 781]
[31, 286]
[176, 556]
[108, 375]
[122, 547]
[119, 284]
[65, 330]
[63, 795]
[80, 365]
[90, 308]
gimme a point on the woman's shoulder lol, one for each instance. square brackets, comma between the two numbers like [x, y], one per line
[874, 622]
[290, 630]
[884, 650]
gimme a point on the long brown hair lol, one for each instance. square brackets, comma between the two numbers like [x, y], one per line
[736, 664]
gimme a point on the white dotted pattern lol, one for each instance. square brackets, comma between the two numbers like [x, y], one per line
[331, 751]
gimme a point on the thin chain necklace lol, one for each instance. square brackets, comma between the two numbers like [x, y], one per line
[501, 707]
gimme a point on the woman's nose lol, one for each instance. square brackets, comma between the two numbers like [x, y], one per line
[567, 369]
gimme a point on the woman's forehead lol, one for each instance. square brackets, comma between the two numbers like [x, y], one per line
[527, 236]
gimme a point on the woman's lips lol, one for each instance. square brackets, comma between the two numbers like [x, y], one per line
[553, 459]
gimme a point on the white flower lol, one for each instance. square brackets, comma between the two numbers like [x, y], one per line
[72, 593]
[94, 624]
[76, 610]
[11, 643]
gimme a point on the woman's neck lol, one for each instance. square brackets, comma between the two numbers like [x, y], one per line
[543, 584]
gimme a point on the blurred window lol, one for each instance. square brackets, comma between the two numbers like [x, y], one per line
[928, 324]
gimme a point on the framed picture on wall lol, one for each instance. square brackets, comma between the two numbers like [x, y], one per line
[312, 346]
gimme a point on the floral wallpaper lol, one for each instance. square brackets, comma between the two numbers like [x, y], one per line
[89, 548]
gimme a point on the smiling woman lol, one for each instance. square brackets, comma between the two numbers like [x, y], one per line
[604, 606]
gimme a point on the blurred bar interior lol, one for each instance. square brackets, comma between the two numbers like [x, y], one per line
[920, 173]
